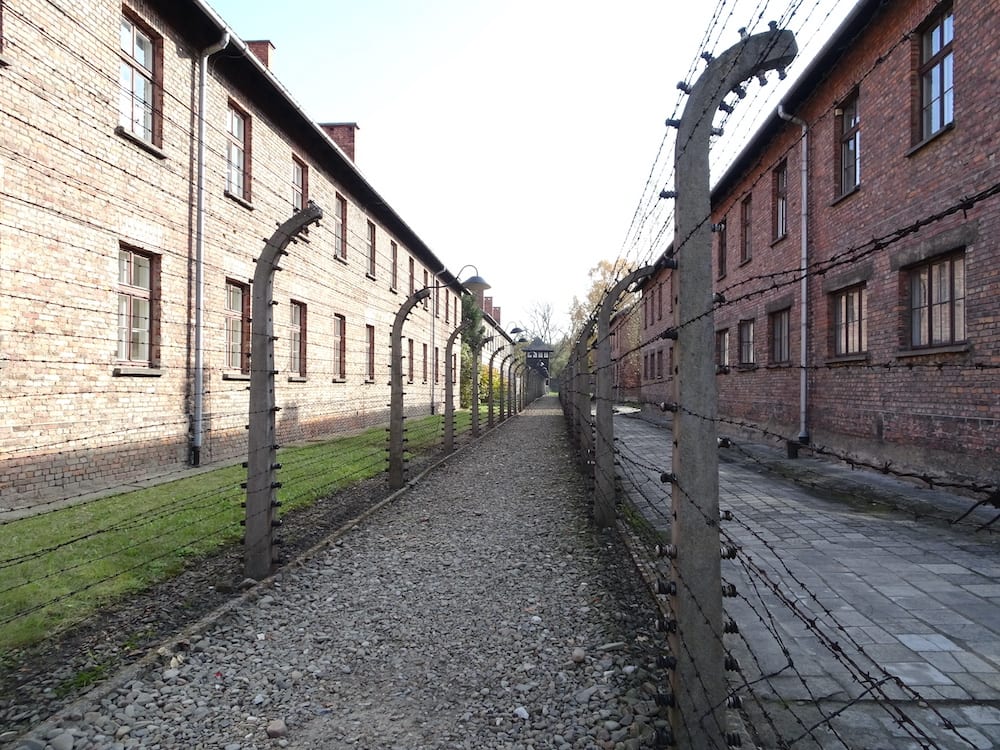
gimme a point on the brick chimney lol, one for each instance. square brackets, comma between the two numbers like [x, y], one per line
[488, 306]
[496, 315]
[263, 50]
[342, 134]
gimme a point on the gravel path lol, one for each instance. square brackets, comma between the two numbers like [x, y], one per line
[481, 610]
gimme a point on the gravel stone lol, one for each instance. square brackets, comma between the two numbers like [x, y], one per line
[442, 621]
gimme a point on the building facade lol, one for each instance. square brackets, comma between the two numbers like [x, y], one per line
[855, 248]
[146, 155]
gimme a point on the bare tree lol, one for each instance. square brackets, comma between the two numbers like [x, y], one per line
[541, 322]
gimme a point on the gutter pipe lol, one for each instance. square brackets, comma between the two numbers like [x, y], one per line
[803, 437]
[197, 417]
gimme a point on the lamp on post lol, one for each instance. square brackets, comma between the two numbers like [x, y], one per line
[396, 464]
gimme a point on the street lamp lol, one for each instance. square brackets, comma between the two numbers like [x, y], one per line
[475, 284]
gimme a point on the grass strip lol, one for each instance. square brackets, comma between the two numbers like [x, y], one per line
[59, 567]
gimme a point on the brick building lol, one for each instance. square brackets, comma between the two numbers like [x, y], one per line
[877, 176]
[129, 225]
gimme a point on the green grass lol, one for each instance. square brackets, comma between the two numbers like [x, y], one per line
[60, 567]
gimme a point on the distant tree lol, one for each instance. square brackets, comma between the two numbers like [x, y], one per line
[541, 322]
[473, 334]
[603, 276]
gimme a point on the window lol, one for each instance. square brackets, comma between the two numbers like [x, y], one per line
[412, 278]
[746, 234]
[237, 153]
[370, 353]
[237, 326]
[780, 190]
[937, 302]
[300, 184]
[720, 231]
[394, 283]
[659, 363]
[447, 307]
[141, 60]
[781, 341]
[426, 284]
[409, 360]
[137, 320]
[371, 249]
[437, 302]
[340, 228]
[297, 339]
[437, 362]
[850, 321]
[722, 349]
[423, 363]
[848, 119]
[339, 347]
[937, 96]
[659, 301]
[746, 342]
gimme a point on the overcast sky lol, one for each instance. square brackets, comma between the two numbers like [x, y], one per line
[518, 135]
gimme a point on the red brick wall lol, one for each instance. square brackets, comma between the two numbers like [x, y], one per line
[889, 405]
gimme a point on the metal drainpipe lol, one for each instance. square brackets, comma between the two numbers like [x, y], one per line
[803, 283]
[197, 416]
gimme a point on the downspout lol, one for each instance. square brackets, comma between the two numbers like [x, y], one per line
[197, 416]
[803, 437]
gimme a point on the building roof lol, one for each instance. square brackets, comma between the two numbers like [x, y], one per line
[204, 27]
[861, 16]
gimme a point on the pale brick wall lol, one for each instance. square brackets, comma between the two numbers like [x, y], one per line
[72, 191]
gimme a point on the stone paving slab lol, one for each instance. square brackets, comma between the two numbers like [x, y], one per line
[897, 641]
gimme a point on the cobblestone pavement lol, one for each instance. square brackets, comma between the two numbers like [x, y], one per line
[863, 624]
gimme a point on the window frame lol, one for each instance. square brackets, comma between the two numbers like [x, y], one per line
[721, 248]
[722, 349]
[745, 343]
[423, 362]
[370, 353]
[941, 62]
[779, 191]
[849, 321]
[242, 316]
[955, 305]
[409, 361]
[129, 291]
[297, 338]
[243, 148]
[779, 325]
[746, 229]
[372, 249]
[154, 78]
[340, 227]
[848, 129]
[339, 347]
[300, 189]
[394, 277]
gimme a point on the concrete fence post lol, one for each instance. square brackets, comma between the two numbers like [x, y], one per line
[698, 716]
[604, 438]
[262, 447]
[396, 463]
[449, 393]
[490, 418]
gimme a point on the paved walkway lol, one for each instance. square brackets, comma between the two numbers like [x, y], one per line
[890, 618]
